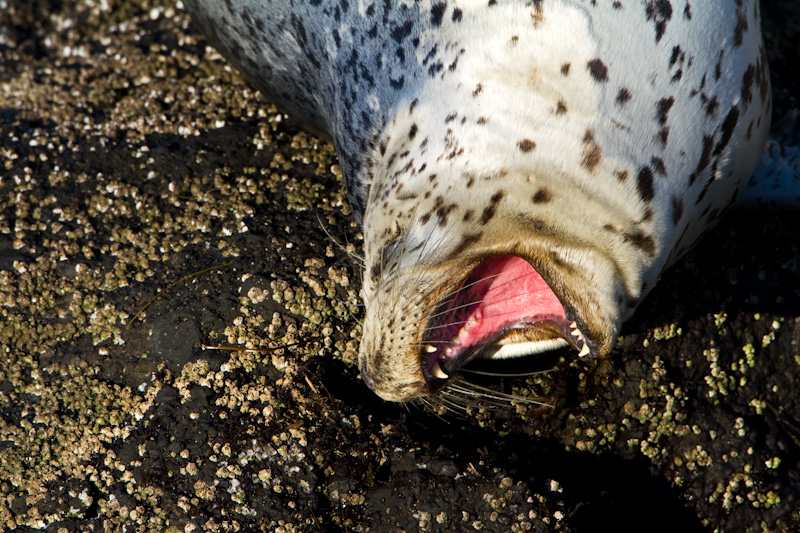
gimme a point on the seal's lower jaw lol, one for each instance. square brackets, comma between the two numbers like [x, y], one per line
[502, 309]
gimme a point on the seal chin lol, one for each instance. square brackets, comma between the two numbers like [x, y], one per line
[502, 309]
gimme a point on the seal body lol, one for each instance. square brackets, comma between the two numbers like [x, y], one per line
[523, 170]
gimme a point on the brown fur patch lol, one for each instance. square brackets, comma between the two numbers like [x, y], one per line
[592, 154]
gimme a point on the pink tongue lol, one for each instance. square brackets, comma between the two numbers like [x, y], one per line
[502, 292]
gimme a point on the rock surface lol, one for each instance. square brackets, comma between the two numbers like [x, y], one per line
[151, 205]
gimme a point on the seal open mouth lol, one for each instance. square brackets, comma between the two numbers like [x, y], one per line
[503, 306]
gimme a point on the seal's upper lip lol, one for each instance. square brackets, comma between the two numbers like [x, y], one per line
[502, 297]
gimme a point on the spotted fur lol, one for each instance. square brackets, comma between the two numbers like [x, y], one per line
[597, 140]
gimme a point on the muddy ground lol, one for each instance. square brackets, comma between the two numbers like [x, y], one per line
[151, 204]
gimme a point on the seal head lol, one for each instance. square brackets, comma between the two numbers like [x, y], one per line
[524, 171]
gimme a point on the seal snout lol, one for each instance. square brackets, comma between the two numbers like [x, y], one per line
[501, 308]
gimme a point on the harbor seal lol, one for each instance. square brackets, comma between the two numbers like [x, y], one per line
[523, 170]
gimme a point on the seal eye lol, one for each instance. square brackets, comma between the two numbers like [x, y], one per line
[503, 308]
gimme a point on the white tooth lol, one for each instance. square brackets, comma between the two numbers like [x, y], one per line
[431, 348]
[575, 333]
[448, 350]
[463, 331]
[584, 351]
[471, 322]
[437, 371]
[573, 325]
[455, 341]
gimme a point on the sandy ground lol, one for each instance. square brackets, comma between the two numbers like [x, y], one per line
[151, 204]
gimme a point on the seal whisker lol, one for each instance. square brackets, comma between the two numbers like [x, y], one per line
[453, 403]
[506, 374]
[467, 401]
[451, 295]
[359, 305]
[471, 388]
[359, 259]
[417, 282]
[434, 404]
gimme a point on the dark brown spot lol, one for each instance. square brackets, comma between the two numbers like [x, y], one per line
[642, 241]
[728, 125]
[704, 191]
[622, 175]
[748, 79]
[565, 69]
[711, 106]
[538, 13]
[412, 132]
[598, 70]
[437, 13]
[443, 212]
[470, 182]
[542, 196]
[644, 184]
[477, 91]
[623, 96]
[762, 77]
[662, 136]
[658, 166]
[536, 224]
[741, 27]
[677, 210]
[592, 154]
[526, 145]
[489, 211]
[705, 158]
[468, 215]
[465, 243]
[660, 12]
[561, 107]
[662, 109]
[676, 54]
